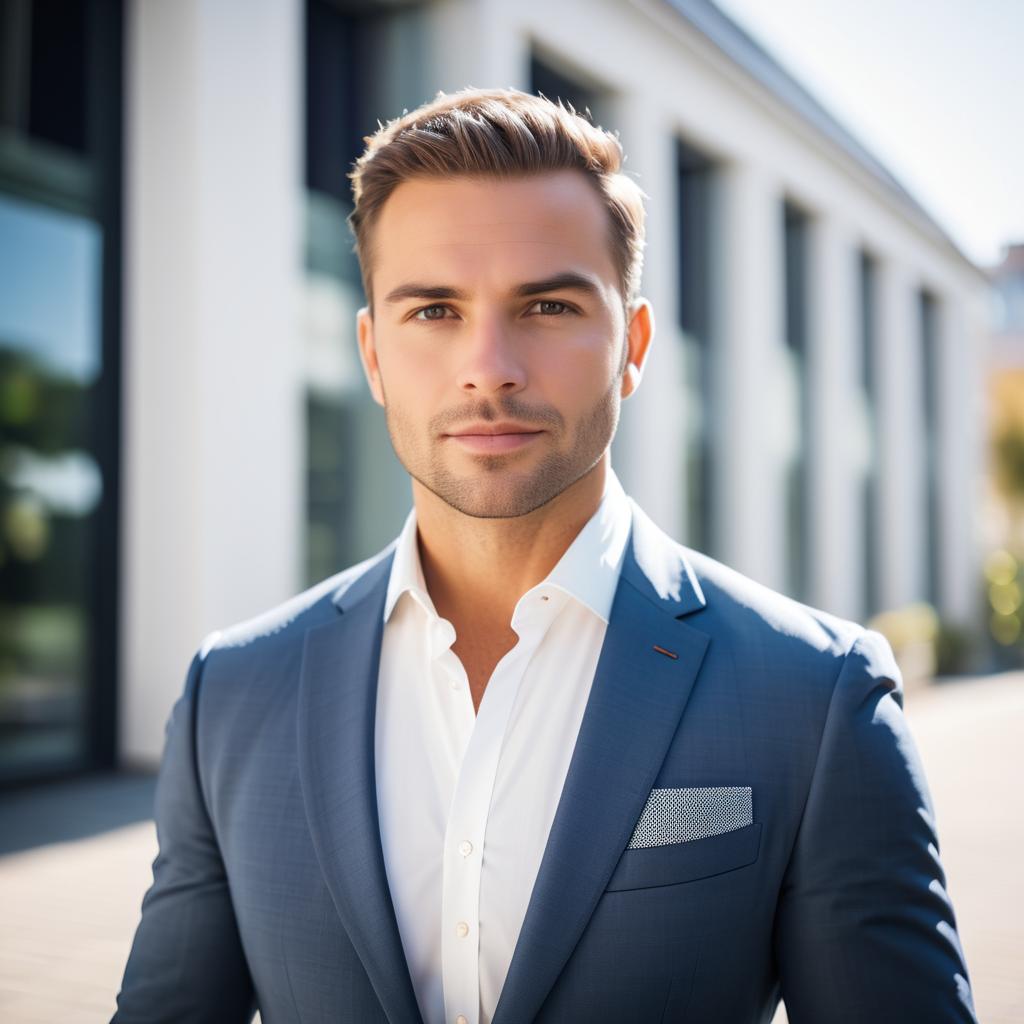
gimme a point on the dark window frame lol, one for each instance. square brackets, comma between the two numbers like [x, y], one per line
[87, 181]
[797, 226]
[867, 293]
[696, 175]
[929, 341]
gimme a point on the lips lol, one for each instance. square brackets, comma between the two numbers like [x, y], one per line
[490, 429]
[489, 438]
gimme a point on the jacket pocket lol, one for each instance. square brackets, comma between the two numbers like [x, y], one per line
[688, 861]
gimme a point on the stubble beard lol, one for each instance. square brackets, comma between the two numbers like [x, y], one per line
[497, 489]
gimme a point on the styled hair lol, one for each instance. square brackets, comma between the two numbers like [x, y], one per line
[502, 133]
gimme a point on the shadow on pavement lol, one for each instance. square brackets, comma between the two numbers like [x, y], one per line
[63, 811]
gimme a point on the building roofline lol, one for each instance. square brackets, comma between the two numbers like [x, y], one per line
[751, 57]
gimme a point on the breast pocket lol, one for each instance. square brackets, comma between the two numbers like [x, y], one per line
[687, 861]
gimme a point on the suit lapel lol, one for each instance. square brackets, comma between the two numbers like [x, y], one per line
[337, 712]
[636, 701]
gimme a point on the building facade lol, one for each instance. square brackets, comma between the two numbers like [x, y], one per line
[815, 385]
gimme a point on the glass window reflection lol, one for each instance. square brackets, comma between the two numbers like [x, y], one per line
[50, 483]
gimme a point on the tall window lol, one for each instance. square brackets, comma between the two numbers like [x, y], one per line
[798, 520]
[695, 178]
[60, 128]
[929, 341]
[545, 78]
[868, 302]
[360, 67]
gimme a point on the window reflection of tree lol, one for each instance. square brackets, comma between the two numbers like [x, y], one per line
[45, 555]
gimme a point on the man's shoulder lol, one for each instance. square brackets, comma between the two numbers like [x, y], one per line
[741, 600]
[731, 603]
[776, 651]
[765, 637]
[293, 617]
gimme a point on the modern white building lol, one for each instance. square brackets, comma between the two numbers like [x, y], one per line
[815, 387]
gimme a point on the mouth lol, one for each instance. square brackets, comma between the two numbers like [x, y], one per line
[490, 438]
[489, 443]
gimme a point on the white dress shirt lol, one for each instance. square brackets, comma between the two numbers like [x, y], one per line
[466, 799]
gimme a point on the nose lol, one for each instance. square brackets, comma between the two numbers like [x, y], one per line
[491, 362]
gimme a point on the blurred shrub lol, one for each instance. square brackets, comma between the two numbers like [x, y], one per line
[956, 647]
[1004, 592]
[912, 632]
[1008, 462]
[925, 645]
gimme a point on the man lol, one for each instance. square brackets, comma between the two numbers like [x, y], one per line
[534, 761]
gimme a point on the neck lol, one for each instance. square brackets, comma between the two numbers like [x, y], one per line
[477, 569]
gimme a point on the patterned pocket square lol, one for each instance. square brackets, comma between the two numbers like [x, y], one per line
[682, 815]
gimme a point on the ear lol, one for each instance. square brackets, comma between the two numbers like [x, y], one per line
[368, 353]
[638, 341]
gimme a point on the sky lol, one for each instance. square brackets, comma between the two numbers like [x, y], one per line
[47, 253]
[934, 88]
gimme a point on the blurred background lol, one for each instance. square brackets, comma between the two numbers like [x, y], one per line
[835, 257]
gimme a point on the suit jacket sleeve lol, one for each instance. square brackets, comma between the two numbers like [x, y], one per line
[864, 928]
[186, 962]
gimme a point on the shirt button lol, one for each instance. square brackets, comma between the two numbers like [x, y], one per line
[462, 929]
[462, 1019]
[465, 847]
[453, 683]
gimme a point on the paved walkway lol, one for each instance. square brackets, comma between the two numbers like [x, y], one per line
[69, 907]
[971, 738]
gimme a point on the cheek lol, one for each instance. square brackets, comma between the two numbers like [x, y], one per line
[582, 366]
[414, 373]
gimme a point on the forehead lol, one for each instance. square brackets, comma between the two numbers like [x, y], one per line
[481, 229]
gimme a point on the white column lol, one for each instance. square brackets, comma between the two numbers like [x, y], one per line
[476, 43]
[901, 450]
[960, 428]
[648, 453]
[835, 542]
[753, 408]
[213, 416]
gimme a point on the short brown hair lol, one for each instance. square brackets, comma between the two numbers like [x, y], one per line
[499, 133]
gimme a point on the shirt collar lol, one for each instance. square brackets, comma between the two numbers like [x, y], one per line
[407, 572]
[588, 569]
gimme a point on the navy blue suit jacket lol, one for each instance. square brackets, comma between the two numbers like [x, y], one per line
[270, 890]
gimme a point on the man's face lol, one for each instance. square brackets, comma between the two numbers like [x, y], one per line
[499, 337]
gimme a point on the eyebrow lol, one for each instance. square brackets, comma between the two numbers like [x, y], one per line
[566, 280]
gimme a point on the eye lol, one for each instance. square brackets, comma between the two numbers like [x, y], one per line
[428, 313]
[560, 308]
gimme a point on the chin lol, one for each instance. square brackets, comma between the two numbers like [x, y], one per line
[496, 506]
[492, 494]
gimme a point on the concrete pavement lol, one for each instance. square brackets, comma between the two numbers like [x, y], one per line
[971, 738]
[69, 906]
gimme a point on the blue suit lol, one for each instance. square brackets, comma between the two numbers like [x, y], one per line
[270, 886]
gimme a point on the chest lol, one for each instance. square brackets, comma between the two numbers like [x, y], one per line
[467, 791]
[480, 653]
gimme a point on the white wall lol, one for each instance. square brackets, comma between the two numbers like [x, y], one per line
[657, 408]
[836, 532]
[213, 420]
[662, 76]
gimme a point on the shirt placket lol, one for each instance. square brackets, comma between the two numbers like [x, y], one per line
[465, 836]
